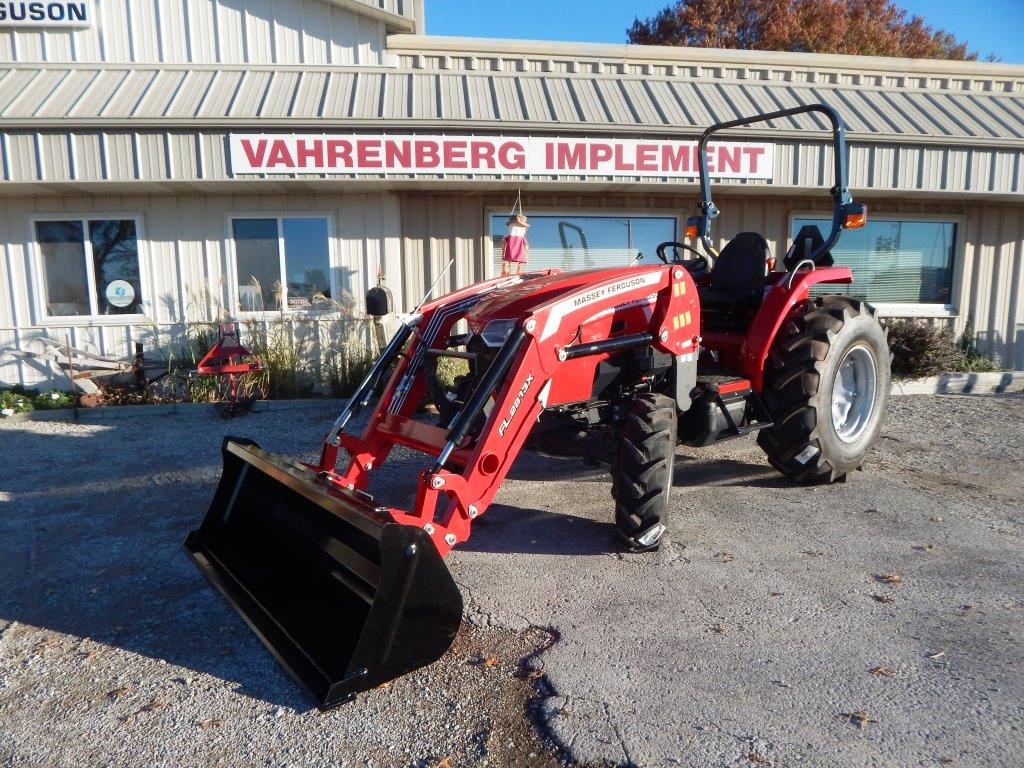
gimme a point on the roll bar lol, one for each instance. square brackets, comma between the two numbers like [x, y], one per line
[846, 211]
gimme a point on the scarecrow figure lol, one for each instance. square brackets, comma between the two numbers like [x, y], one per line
[515, 250]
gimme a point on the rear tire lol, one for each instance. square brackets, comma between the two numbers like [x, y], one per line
[826, 385]
[642, 472]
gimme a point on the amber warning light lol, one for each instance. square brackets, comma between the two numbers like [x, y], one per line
[855, 219]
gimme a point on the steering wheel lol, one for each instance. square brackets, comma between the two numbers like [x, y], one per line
[695, 266]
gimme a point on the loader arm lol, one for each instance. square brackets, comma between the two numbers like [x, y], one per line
[545, 361]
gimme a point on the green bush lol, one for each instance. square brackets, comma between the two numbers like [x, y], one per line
[12, 402]
[974, 362]
[19, 399]
[920, 350]
[54, 398]
[450, 368]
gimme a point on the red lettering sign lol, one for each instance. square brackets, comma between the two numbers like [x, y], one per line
[512, 156]
[254, 158]
[339, 151]
[279, 155]
[353, 154]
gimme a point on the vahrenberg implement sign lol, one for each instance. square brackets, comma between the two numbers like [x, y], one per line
[45, 13]
[492, 155]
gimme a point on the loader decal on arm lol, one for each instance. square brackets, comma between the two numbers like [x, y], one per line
[515, 405]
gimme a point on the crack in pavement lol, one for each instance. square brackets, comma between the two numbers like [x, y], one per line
[618, 734]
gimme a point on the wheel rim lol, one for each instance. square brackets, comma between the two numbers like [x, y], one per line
[853, 393]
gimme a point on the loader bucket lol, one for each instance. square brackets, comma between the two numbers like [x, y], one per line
[344, 597]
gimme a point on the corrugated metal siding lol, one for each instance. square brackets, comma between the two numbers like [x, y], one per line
[211, 31]
[184, 157]
[184, 250]
[435, 230]
[989, 266]
[413, 236]
[474, 98]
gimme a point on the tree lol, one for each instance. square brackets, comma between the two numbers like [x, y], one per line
[858, 27]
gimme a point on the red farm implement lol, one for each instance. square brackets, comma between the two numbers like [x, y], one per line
[228, 360]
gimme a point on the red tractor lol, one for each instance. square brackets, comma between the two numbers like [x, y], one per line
[349, 593]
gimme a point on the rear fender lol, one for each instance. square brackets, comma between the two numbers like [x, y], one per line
[782, 297]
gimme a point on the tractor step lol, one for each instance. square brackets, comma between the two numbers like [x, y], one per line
[730, 403]
[722, 384]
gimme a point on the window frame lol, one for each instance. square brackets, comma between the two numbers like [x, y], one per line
[489, 211]
[232, 259]
[38, 271]
[908, 309]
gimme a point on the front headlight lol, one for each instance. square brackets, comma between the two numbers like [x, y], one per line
[496, 331]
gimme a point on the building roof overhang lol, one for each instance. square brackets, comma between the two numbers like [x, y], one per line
[391, 12]
[680, 102]
[539, 50]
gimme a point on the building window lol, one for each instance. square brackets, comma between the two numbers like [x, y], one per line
[895, 261]
[573, 242]
[90, 267]
[282, 263]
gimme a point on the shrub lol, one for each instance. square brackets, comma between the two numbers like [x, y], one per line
[54, 398]
[973, 360]
[286, 372]
[450, 368]
[19, 399]
[921, 350]
[348, 342]
[14, 401]
[346, 365]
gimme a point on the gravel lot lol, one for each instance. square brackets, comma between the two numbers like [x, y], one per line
[749, 639]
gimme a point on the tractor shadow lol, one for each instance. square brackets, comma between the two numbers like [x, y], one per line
[522, 531]
[694, 470]
[92, 546]
[95, 552]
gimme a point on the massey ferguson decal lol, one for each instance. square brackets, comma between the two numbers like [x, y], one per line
[571, 304]
[515, 405]
[608, 290]
[470, 155]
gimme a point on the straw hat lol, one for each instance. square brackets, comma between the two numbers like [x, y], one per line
[519, 219]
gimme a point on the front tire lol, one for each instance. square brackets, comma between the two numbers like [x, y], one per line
[642, 472]
[826, 384]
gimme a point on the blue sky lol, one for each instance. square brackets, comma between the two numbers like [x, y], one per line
[995, 26]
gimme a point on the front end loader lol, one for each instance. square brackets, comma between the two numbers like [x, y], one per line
[349, 593]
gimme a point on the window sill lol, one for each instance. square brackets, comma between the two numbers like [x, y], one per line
[916, 310]
[294, 314]
[81, 321]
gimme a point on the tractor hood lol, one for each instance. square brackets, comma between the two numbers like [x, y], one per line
[514, 302]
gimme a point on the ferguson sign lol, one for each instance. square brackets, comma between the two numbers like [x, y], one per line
[492, 155]
[45, 13]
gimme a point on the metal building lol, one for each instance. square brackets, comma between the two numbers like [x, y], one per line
[159, 154]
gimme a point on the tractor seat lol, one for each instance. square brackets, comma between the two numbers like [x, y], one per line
[736, 287]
